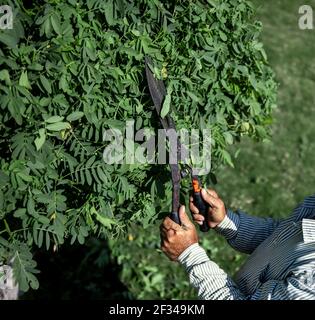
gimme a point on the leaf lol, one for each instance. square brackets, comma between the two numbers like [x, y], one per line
[255, 108]
[166, 106]
[84, 231]
[46, 28]
[58, 126]
[75, 116]
[227, 158]
[16, 106]
[106, 222]
[36, 66]
[4, 75]
[88, 177]
[9, 39]
[193, 96]
[90, 162]
[24, 267]
[90, 50]
[228, 138]
[44, 102]
[31, 207]
[109, 12]
[39, 141]
[63, 84]
[34, 284]
[46, 84]
[40, 238]
[211, 179]
[47, 241]
[25, 177]
[101, 174]
[81, 239]
[55, 22]
[223, 36]
[54, 119]
[23, 82]
[44, 220]
[19, 213]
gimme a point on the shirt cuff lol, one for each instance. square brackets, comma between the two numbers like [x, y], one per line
[192, 256]
[228, 227]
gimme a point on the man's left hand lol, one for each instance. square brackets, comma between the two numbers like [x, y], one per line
[175, 239]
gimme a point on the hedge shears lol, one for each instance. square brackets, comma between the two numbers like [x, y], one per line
[158, 93]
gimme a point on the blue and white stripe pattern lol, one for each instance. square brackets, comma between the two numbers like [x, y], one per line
[281, 265]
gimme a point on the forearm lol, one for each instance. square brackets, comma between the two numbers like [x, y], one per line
[244, 232]
[211, 282]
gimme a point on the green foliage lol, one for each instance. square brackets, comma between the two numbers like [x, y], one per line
[72, 69]
[24, 266]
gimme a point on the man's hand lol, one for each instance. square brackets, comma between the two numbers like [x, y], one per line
[216, 211]
[175, 238]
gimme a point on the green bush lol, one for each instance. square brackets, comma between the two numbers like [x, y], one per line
[72, 69]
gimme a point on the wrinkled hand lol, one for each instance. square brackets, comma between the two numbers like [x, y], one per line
[175, 238]
[216, 212]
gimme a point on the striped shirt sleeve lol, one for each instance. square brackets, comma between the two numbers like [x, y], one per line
[244, 232]
[211, 282]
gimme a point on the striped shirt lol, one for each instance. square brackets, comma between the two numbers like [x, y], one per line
[281, 265]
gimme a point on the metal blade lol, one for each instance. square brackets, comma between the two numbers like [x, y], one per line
[156, 87]
[158, 93]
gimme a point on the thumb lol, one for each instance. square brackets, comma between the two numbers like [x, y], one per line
[209, 198]
[184, 219]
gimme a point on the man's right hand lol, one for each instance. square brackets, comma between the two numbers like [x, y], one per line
[216, 212]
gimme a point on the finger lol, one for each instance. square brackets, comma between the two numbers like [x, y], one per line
[183, 216]
[168, 223]
[214, 202]
[162, 246]
[163, 231]
[198, 218]
[163, 234]
[163, 227]
[193, 208]
[212, 193]
[167, 234]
